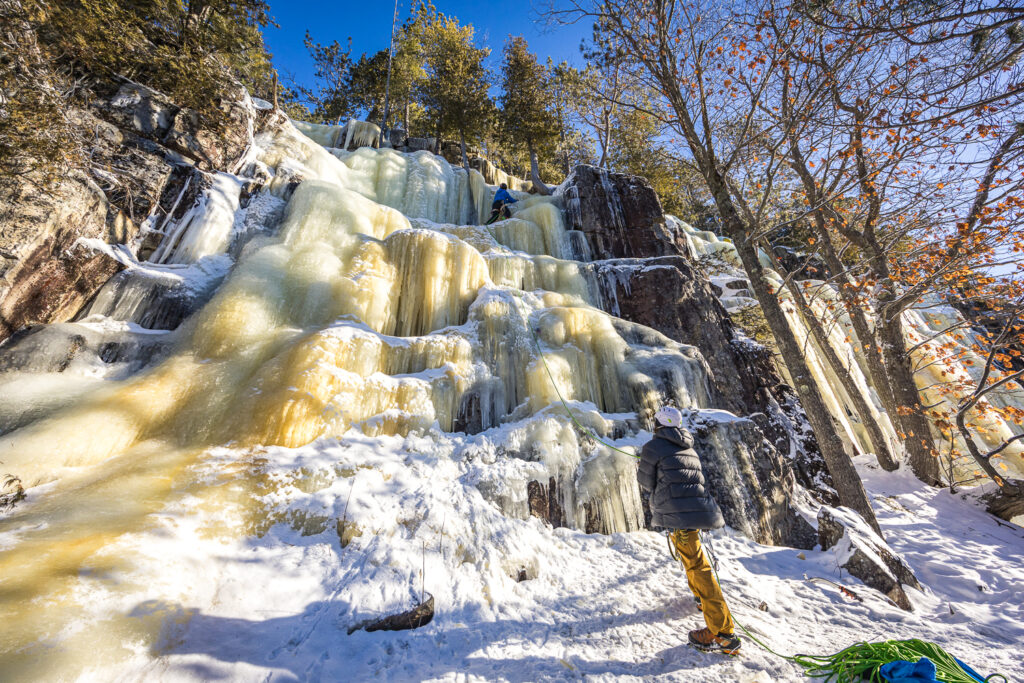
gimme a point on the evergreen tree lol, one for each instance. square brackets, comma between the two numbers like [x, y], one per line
[636, 146]
[53, 52]
[527, 106]
[369, 75]
[454, 92]
[571, 101]
[334, 99]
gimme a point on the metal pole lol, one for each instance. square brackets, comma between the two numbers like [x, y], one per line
[387, 87]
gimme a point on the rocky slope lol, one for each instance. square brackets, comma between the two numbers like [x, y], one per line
[143, 149]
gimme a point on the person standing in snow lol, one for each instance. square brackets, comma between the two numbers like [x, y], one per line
[671, 473]
[500, 205]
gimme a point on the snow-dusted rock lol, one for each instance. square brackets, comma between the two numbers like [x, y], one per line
[45, 274]
[861, 552]
[139, 141]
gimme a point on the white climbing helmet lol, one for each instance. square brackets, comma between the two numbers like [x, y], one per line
[669, 416]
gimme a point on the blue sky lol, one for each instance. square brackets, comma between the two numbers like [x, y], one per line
[369, 24]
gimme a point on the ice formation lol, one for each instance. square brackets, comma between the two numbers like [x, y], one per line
[373, 302]
[361, 134]
[206, 228]
[354, 132]
[376, 303]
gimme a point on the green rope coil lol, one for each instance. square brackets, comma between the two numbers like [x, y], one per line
[862, 661]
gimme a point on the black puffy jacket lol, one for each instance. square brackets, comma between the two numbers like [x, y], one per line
[670, 471]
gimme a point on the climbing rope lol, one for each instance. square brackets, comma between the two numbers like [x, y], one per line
[862, 661]
[586, 430]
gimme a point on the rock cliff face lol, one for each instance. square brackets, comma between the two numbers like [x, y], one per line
[620, 215]
[46, 274]
[648, 277]
[141, 145]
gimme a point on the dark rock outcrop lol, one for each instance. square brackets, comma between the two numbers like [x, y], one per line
[153, 116]
[543, 500]
[1006, 502]
[670, 295]
[620, 215]
[802, 266]
[751, 481]
[419, 144]
[142, 147]
[646, 276]
[395, 138]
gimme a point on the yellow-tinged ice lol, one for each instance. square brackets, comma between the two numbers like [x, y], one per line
[263, 362]
[375, 307]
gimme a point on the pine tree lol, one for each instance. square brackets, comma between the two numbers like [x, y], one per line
[53, 53]
[527, 105]
[454, 92]
[334, 99]
[369, 75]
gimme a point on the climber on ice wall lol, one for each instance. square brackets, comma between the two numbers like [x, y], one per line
[499, 207]
[670, 472]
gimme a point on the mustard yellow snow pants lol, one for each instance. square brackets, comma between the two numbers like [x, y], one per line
[702, 580]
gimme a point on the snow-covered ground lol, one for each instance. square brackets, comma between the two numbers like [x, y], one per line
[276, 602]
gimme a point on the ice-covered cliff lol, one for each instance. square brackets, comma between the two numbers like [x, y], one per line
[940, 357]
[327, 344]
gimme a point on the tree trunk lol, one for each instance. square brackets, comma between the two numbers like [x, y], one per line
[984, 463]
[879, 443]
[465, 157]
[840, 465]
[917, 433]
[904, 417]
[847, 482]
[538, 184]
[917, 428]
[606, 138]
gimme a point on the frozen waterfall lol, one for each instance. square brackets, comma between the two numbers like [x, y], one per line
[355, 293]
[939, 357]
[331, 343]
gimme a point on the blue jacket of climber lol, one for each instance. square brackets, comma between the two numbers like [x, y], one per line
[503, 196]
[499, 207]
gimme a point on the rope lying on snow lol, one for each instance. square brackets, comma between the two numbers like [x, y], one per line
[862, 661]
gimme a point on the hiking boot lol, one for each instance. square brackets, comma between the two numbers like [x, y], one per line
[726, 643]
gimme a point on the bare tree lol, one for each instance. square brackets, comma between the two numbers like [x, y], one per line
[873, 123]
[690, 54]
